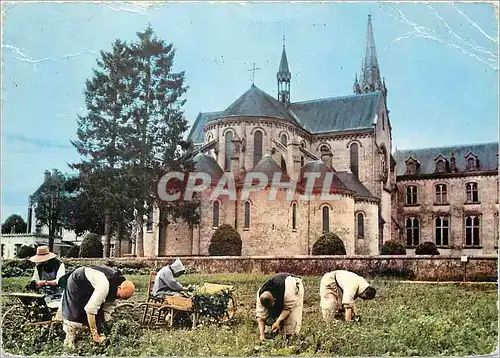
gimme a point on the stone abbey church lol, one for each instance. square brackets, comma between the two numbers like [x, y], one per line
[445, 195]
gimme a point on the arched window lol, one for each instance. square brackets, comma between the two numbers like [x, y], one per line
[284, 140]
[472, 225]
[294, 216]
[247, 215]
[361, 225]
[412, 232]
[257, 147]
[149, 222]
[471, 192]
[215, 219]
[354, 159]
[441, 194]
[411, 195]
[471, 163]
[326, 219]
[229, 150]
[303, 145]
[441, 166]
[283, 164]
[442, 224]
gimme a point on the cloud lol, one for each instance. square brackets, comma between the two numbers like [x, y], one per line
[23, 57]
[38, 142]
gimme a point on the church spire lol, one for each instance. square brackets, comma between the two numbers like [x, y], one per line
[284, 76]
[370, 73]
[356, 87]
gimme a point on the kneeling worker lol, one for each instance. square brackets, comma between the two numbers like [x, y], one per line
[89, 298]
[165, 280]
[281, 298]
[338, 290]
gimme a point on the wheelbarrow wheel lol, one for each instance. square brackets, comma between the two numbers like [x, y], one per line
[15, 318]
[127, 311]
[231, 309]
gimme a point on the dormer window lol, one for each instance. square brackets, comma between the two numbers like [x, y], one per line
[412, 166]
[441, 164]
[471, 161]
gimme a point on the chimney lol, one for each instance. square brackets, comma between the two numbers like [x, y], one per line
[453, 163]
[46, 176]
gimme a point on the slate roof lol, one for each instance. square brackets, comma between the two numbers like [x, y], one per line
[206, 164]
[316, 116]
[353, 183]
[338, 113]
[486, 152]
[196, 133]
[318, 166]
[269, 167]
[258, 103]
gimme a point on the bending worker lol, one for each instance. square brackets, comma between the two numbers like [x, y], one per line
[281, 298]
[338, 290]
[89, 298]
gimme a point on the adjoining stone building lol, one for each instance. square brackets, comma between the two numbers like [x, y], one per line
[348, 137]
[448, 196]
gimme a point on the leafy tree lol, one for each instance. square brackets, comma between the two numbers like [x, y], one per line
[91, 246]
[74, 251]
[51, 200]
[329, 244]
[25, 252]
[392, 248]
[226, 241]
[14, 223]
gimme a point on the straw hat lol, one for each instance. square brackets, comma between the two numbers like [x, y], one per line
[42, 254]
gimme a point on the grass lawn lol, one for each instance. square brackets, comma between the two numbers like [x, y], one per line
[405, 319]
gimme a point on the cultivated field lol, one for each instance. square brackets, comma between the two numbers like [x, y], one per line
[405, 319]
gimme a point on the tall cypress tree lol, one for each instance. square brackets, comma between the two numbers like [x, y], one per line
[100, 133]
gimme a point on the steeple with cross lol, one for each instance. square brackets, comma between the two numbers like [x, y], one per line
[284, 76]
[253, 73]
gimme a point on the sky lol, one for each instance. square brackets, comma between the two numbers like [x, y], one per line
[439, 60]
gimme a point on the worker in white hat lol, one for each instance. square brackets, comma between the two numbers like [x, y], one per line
[48, 269]
[165, 280]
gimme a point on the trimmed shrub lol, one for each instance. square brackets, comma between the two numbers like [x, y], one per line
[17, 268]
[392, 248]
[74, 251]
[226, 241]
[426, 248]
[25, 252]
[329, 244]
[91, 246]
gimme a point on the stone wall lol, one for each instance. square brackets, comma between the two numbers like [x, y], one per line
[424, 268]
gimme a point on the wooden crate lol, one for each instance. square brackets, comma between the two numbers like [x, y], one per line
[179, 303]
[213, 287]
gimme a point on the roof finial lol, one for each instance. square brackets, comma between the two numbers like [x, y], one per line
[253, 74]
[284, 37]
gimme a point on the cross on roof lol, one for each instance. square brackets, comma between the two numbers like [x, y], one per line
[253, 70]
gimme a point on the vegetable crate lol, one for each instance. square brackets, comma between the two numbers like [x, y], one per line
[163, 311]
